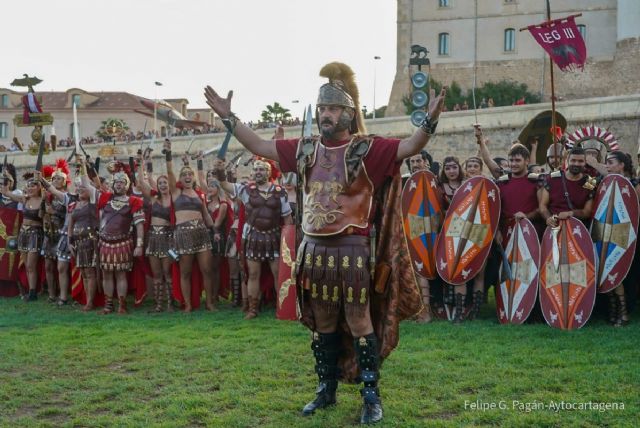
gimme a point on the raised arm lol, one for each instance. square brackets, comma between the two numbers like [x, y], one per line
[218, 166]
[202, 180]
[9, 194]
[247, 137]
[494, 168]
[142, 184]
[412, 145]
[170, 175]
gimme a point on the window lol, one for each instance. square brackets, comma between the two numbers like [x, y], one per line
[5, 101]
[443, 44]
[509, 40]
[75, 99]
[583, 31]
[4, 129]
[443, 3]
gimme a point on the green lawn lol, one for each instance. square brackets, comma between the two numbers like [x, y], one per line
[61, 367]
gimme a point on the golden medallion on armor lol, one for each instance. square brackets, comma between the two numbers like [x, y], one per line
[307, 260]
[325, 292]
[331, 262]
[359, 262]
[314, 290]
[318, 261]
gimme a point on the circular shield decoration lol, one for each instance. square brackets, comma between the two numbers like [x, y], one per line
[419, 98]
[419, 79]
[417, 117]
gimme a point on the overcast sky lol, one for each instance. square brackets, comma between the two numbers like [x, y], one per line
[265, 51]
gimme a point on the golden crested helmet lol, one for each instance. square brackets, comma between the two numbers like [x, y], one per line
[341, 90]
[263, 164]
[122, 176]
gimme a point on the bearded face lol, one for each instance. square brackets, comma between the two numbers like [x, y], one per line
[334, 119]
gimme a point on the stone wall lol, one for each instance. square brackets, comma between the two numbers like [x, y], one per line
[502, 125]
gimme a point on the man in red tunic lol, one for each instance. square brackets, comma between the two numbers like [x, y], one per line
[120, 214]
[518, 192]
[568, 194]
[341, 173]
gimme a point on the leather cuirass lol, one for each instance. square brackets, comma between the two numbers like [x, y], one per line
[330, 203]
[116, 218]
[264, 209]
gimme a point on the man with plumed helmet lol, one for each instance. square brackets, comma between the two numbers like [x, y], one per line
[351, 214]
[120, 216]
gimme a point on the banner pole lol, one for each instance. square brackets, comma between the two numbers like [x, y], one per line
[553, 95]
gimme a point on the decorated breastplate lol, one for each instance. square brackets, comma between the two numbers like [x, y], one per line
[116, 216]
[263, 209]
[330, 203]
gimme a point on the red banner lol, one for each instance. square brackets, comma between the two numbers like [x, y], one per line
[562, 41]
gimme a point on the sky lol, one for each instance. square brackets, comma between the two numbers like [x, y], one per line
[265, 51]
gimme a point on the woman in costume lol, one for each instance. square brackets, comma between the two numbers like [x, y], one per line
[191, 233]
[221, 213]
[31, 234]
[160, 233]
[82, 230]
[618, 162]
[56, 252]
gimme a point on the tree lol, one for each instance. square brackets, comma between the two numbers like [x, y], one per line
[275, 113]
[504, 93]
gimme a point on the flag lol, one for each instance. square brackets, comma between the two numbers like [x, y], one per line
[562, 41]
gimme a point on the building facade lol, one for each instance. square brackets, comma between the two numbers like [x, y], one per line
[482, 38]
[93, 109]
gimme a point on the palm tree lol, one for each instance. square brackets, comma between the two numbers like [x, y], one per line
[275, 113]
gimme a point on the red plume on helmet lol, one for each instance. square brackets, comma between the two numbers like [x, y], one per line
[273, 168]
[47, 171]
[62, 168]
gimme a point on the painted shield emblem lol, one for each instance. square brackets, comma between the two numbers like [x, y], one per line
[518, 290]
[567, 275]
[422, 213]
[468, 229]
[286, 284]
[614, 230]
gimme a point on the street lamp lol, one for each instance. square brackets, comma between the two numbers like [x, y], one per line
[375, 58]
[155, 113]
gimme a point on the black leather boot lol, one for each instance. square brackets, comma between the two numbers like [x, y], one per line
[326, 348]
[366, 348]
[459, 308]
[478, 299]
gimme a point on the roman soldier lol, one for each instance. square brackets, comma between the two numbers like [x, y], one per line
[350, 217]
[568, 194]
[120, 214]
[266, 209]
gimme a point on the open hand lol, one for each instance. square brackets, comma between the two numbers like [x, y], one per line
[222, 106]
[436, 103]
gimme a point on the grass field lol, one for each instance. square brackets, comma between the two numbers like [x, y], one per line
[61, 367]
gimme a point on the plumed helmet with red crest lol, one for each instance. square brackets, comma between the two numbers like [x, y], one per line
[60, 169]
[269, 166]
